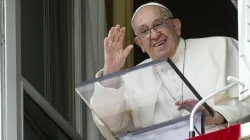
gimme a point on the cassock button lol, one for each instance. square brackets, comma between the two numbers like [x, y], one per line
[177, 90]
[173, 72]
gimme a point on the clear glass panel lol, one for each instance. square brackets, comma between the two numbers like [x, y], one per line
[175, 129]
[47, 57]
[140, 97]
[38, 125]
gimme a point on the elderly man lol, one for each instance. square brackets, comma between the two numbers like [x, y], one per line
[205, 62]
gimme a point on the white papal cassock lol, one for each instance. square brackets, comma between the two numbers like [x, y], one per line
[205, 62]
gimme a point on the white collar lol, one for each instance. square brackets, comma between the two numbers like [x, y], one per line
[180, 50]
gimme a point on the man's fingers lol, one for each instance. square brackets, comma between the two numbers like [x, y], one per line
[188, 101]
[186, 104]
[111, 35]
[178, 103]
[106, 42]
[122, 35]
[107, 45]
[126, 51]
[117, 33]
[182, 107]
[186, 107]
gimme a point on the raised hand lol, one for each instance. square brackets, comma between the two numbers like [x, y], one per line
[114, 54]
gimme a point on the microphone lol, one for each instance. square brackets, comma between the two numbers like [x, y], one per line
[234, 81]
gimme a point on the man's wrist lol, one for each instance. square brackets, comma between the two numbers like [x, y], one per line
[106, 72]
[216, 119]
[109, 70]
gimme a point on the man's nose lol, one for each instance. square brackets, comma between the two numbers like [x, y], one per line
[154, 34]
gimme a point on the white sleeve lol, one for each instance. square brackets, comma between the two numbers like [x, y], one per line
[109, 104]
[234, 111]
[231, 108]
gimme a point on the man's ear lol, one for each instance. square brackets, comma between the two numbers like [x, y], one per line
[138, 42]
[177, 26]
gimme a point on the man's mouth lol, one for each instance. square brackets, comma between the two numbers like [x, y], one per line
[160, 43]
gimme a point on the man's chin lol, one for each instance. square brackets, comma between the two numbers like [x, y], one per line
[163, 55]
[160, 57]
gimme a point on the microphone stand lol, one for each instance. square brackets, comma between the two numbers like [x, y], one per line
[234, 81]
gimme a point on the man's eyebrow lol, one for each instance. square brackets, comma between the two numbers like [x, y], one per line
[157, 20]
[145, 26]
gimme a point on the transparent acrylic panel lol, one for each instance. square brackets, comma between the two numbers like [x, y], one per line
[176, 129]
[137, 98]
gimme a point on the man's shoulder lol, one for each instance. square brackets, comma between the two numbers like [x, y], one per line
[212, 42]
[139, 76]
[212, 39]
[145, 61]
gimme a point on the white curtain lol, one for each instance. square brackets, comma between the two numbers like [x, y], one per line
[89, 33]
[95, 30]
[95, 25]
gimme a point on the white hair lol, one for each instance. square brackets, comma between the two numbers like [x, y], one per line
[151, 4]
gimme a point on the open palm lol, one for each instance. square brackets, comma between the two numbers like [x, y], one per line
[114, 53]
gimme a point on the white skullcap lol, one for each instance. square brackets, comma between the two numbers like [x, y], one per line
[150, 4]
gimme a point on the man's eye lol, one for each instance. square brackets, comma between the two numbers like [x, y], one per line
[144, 31]
[158, 24]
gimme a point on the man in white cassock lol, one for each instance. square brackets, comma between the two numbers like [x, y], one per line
[205, 62]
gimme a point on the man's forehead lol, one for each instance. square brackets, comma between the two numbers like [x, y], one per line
[147, 15]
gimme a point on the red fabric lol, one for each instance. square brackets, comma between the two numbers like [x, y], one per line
[230, 133]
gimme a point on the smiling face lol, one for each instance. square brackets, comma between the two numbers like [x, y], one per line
[163, 38]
